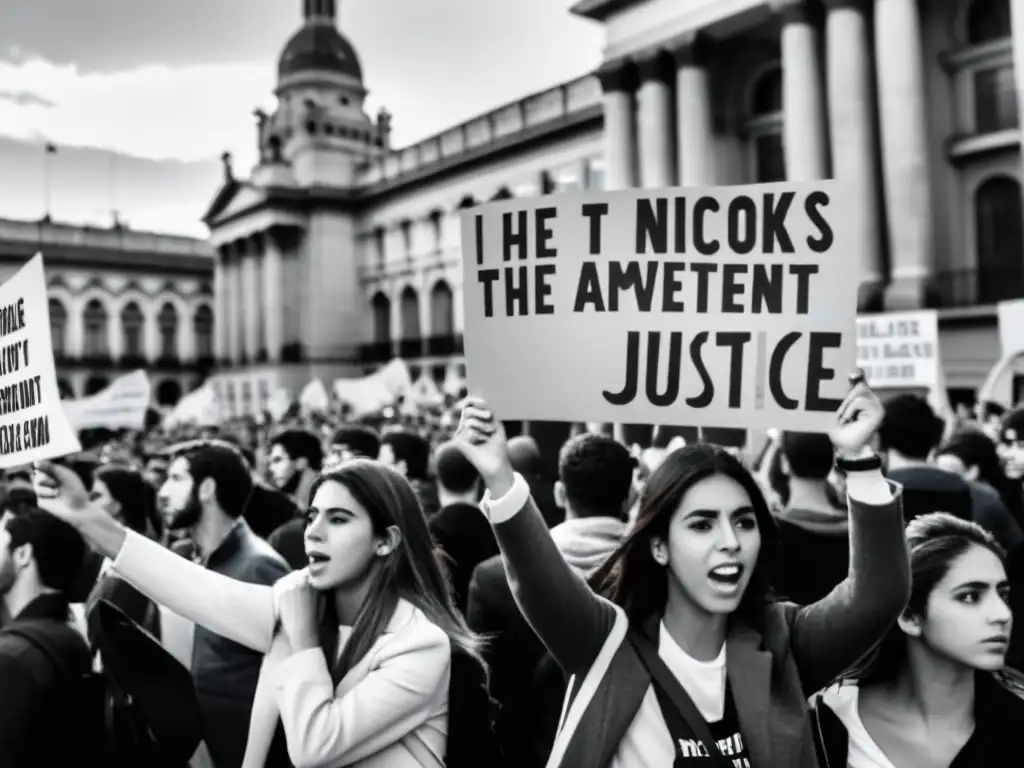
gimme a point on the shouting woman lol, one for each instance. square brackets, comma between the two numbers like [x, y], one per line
[681, 657]
[359, 645]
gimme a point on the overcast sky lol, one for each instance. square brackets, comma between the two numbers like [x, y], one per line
[143, 96]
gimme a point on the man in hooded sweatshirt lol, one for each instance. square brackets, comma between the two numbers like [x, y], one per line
[595, 474]
[813, 554]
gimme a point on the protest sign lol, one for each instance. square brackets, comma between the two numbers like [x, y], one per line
[1011, 326]
[900, 350]
[122, 405]
[723, 307]
[33, 426]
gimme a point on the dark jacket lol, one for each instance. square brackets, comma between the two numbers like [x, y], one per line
[771, 669]
[33, 690]
[525, 680]
[268, 509]
[225, 672]
[812, 554]
[289, 542]
[998, 717]
[466, 539]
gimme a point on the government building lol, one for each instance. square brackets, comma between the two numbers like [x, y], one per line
[340, 251]
[120, 300]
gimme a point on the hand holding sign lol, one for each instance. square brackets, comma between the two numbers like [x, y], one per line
[61, 492]
[858, 418]
[481, 438]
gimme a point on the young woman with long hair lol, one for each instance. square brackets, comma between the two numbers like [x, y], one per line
[124, 494]
[683, 656]
[935, 693]
[358, 646]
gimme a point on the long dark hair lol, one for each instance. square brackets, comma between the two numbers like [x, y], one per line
[412, 572]
[137, 498]
[936, 541]
[632, 579]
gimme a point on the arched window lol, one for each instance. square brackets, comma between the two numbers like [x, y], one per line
[987, 21]
[96, 323]
[999, 233]
[168, 324]
[65, 390]
[381, 318]
[58, 328]
[442, 315]
[202, 325]
[132, 323]
[764, 127]
[410, 313]
[502, 194]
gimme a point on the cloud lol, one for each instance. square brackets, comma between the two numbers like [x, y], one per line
[183, 113]
[25, 99]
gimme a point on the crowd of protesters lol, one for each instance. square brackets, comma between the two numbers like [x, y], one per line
[427, 592]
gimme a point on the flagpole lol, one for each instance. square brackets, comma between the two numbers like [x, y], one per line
[113, 190]
[48, 150]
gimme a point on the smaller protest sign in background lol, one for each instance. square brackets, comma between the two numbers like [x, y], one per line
[33, 426]
[714, 307]
[900, 350]
[122, 405]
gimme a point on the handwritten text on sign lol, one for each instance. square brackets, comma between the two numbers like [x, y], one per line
[707, 307]
[33, 426]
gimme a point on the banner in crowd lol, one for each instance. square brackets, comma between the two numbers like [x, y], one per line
[33, 424]
[201, 408]
[726, 307]
[314, 397]
[381, 389]
[122, 405]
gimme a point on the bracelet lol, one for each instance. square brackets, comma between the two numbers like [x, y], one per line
[865, 464]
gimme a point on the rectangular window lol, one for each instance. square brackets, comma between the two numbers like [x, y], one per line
[995, 99]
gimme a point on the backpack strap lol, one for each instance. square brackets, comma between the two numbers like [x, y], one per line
[43, 640]
[831, 741]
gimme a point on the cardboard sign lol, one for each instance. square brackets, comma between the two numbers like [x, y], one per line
[33, 426]
[1011, 326]
[122, 405]
[721, 307]
[900, 350]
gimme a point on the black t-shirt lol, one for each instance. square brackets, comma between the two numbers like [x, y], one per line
[728, 737]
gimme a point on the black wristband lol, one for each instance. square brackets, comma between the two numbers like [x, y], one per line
[866, 464]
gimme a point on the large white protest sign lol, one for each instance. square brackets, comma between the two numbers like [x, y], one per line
[900, 350]
[33, 426]
[1011, 326]
[727, 307]
[122, 405]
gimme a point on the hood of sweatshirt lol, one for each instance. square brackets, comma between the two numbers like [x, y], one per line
[834, 523]
[587, 542]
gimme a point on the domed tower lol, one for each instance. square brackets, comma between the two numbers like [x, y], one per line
[321, 128]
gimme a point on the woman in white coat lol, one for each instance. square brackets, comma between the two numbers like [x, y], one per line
[358, 645]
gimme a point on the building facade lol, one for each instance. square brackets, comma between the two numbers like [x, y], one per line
[121, 300]
[340, 251]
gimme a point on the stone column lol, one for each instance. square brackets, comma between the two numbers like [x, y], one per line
[654, 118]
[804, 132]
[250, 299]
[220, 305]
[235, 304]
[694, 120]
[618, 81]
[851, 125]
[903, 115]
[1017, 21]
[273, 295]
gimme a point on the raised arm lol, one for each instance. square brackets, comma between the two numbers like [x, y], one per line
[831, 635]
[239, 611]
[567, 616]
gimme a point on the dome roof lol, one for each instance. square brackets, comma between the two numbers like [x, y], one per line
[319, 46]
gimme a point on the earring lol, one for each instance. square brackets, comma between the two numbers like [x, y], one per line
[659, 556]
[382, 551]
